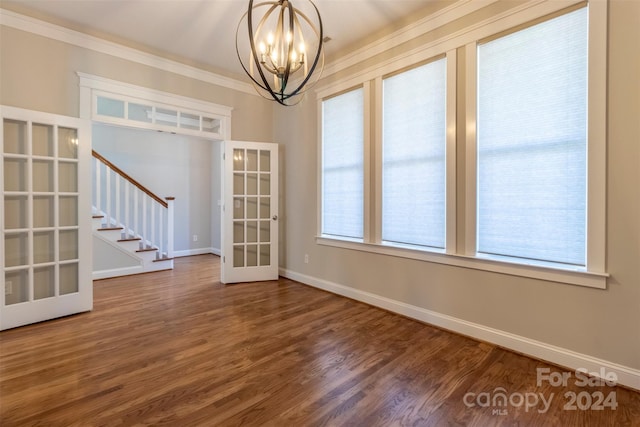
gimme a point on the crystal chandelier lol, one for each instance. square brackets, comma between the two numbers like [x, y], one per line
[277, 46]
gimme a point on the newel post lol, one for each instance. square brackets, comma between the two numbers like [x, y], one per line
[170, 226]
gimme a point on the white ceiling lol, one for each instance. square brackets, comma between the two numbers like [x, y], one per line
[204, 30]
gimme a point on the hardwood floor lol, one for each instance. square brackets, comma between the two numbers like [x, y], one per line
[178, 348]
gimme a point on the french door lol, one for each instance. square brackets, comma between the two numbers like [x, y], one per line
[45, 217]
[250, 212]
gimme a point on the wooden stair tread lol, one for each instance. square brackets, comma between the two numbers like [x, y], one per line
[147, 250]
[131, 239]
[162, 259]
[110, 228]
[97, 216]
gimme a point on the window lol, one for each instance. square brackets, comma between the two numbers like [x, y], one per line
[482, 149]
[343, 165]
[532, 142]
[413, 156]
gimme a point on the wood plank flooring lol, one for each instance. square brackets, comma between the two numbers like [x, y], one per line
[178, 348]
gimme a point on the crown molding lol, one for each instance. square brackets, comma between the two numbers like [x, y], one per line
[76, 38]
[429, 23]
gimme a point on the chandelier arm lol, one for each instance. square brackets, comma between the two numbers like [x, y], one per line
[250, 74]
[318, 53]
[271, 67]
[255, 55]
[287, 70]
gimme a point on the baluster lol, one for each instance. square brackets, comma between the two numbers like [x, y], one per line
[116, 195]
[136, 217]
[108, 196]
[98, 193]
[170, 226]
[127, 214]
[144, 220]
[161, 221]
[152, 235]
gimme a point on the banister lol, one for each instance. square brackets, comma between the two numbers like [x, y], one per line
[128, 178]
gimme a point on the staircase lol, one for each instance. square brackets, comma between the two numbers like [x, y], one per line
[132, 220]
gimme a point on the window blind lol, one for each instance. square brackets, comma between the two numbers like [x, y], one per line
[343, 165]
[532, 142]
[414, 147]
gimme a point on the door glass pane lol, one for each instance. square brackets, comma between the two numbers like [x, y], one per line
[238, 160]
[16, 286]
[67, 143]
[110, 107]
[252, 231]
[238, 232]
[44, 282]
[265, 184]
[252, 207]
[238, 207]
[43, 211]
[43, 247]
[67, 177]
[265, 231]
[265, 207]
[265, 161]
[252, 160]
[252, 183]
[15, 136]
[68, 211]
[15, 174]
[238, 183]
[68, 278]
[43, 176]
[68, 244]
[16, 249]
[252, 255]
[15, 212]
[42, 136]
[265, 254]
[238, 256]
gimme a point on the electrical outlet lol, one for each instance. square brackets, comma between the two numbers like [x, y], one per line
[306, 258]
[195, 237]
[8, 287]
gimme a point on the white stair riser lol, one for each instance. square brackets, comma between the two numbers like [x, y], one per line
[131, 246]
[146, 258]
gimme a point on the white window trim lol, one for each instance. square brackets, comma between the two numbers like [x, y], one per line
[594, 275]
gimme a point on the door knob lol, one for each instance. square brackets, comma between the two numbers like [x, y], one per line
[275, 217]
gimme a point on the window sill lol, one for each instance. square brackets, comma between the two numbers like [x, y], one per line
[575, 276]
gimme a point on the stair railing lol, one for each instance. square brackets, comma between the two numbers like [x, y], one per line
[127, 204]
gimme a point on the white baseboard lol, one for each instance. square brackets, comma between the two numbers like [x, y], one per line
[626, 376]
[199, 251]
[116, 272]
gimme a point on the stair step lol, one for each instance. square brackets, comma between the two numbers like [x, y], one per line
[162, 259]
[97, 216]
[130, 239]
[147, 250]
[110, 228]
